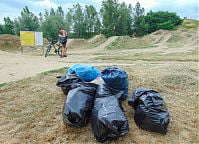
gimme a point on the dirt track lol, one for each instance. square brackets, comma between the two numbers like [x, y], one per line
[17, 66]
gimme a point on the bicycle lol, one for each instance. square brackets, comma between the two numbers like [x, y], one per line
[53, 43]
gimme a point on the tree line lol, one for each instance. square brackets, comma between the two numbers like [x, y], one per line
[114, 18]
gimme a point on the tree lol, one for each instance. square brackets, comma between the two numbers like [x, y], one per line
[50, 27]
[1, 29]
[116, 18]
[52, 21]
[60, 11]
[110, 15]
[69, 21]
[139, 26]
[138, 11]
[92, 21]
[8, 27]
[79, 25]
[27, 21]
[124, 23]
[40, 17]
[52, 12]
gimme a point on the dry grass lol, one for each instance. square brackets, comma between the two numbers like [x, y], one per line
[31, 108]
[189, 24]
[126, 42]
[10, 43]
[150, 56]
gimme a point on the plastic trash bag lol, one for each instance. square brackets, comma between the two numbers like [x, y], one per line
[117, 79]
[79, 104]
[104, 91]
[98, 80]
[86, 72]
[66, 82]
[150, 110]
[108, 122]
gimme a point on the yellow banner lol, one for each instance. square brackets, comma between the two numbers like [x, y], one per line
[27, 38]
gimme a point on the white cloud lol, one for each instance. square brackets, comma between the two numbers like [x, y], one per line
[46, 4]
[147, 4]
[185, 2]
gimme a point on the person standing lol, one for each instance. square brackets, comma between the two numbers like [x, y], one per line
[63, 40]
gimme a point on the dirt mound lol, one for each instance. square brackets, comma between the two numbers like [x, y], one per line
[77, 43]
[9, 42]
[185, 39]
[160, 36]
[97, 39]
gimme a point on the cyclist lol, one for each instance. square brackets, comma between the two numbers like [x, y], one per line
[63, 40]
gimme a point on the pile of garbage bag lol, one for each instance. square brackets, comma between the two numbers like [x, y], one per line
[91, 94]
[150, 110]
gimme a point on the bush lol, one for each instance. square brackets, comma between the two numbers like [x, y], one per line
[162, 20]
[154, 21]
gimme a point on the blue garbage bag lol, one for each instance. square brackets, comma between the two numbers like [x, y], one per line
[86, 72]
[117, 79]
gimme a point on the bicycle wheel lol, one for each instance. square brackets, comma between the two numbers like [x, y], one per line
[48, 48]
[59, 51]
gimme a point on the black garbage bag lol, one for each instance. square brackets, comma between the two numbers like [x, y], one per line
[108, 122]
[117, 79]
[66, 82]
[150, 110]
[79, 104]
[104, 91]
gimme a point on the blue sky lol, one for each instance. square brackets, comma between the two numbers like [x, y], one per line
[12, 8]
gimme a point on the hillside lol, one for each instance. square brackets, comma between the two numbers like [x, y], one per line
[184, 36]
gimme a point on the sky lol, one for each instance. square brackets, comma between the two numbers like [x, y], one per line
[184, 8]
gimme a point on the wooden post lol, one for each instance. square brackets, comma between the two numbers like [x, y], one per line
[43, 50]
[21, 49]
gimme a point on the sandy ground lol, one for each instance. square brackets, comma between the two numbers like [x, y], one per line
[17, 66]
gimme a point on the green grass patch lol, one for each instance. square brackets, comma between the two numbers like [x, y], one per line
[2, 85]
[61, 70]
